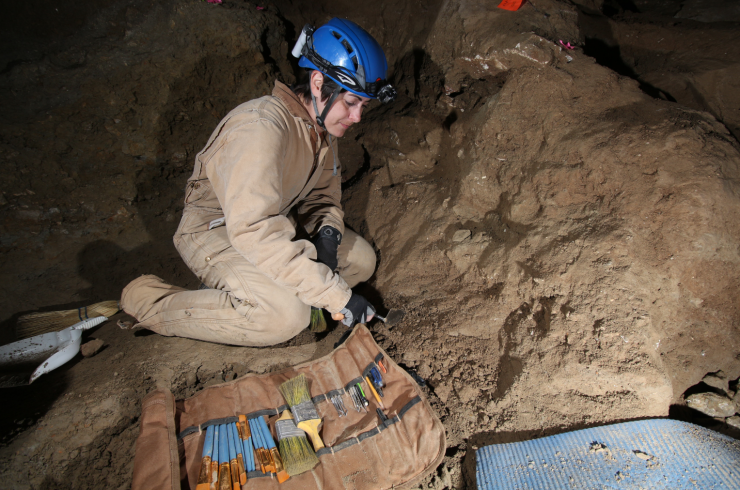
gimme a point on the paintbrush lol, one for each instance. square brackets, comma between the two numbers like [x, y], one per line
[214, 459]
[295, 391]
[282, 475]
[236, 429]
[246, 435]
[259, 463]
[258, 423]
[297, 454]
[233, 463]
[260, 445]
[318, 322]
[224, 475]
[266, 457]
[204, 478]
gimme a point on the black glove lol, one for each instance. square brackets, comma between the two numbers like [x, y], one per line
[357, 310]
[327, 242]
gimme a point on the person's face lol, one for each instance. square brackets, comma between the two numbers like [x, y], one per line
[346, 110]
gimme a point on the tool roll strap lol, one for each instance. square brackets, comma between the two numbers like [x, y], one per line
[362, 451]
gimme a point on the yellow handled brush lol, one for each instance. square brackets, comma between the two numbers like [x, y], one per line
[295, 450]
[295, 391]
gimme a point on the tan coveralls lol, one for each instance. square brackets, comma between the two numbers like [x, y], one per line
[264, 159]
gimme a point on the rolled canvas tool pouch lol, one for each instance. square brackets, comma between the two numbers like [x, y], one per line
[362, 452]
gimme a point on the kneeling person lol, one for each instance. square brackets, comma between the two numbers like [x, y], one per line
[271, 166]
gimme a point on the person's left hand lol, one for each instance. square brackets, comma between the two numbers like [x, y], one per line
[327, 242]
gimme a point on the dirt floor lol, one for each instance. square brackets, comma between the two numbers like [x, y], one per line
[560, 225]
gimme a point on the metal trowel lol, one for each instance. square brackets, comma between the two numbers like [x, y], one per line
[393, 317]
[23, 361]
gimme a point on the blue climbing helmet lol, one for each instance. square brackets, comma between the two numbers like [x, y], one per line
[347, 54]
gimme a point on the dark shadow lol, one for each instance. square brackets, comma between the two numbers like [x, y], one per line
[450, 120]
[24, 405]
[360, 173]
[686, 414]
[608, 55]
[610, 8]
[601, 44]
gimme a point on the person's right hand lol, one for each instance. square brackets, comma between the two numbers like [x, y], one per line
[357, 310]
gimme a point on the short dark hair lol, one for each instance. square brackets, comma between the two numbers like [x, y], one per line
[303, 87]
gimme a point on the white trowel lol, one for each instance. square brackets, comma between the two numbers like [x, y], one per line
[23, 361]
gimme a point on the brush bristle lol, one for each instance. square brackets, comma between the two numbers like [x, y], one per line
[295, 390]
[298, 456]
[318, 322]
[53, 321]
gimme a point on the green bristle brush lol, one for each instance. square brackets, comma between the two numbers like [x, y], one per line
[318, 322]
[295, 391]
[298, 456]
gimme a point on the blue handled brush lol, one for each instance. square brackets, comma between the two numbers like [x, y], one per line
[247, 443]
[214, 459]
[204, 478]
[259, 447]
[236, 429]
[258, 463]
[269, 463]
[224, 475]
[233, 464]
[282, 475]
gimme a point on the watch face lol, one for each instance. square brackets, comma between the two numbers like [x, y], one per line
[329, 232]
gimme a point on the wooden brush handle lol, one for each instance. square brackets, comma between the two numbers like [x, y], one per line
[311, 427]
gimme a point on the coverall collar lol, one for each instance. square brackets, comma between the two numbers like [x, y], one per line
[293, 103]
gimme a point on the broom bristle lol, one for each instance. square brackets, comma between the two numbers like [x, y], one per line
[318, 322]
[34, 324]
[295, 390]
[298, 456]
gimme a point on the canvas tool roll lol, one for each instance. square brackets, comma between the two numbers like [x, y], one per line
[362, 453]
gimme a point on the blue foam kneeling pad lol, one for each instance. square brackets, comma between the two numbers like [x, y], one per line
[645, 454]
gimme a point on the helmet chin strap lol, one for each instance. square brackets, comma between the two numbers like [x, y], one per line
[320, 118]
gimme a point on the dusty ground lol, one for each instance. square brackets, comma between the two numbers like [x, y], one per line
[562, 233]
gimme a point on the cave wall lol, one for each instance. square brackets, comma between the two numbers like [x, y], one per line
[98, 136]
[559, 233]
